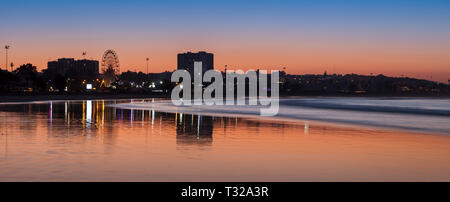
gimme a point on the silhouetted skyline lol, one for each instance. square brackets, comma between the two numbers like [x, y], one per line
[410, 38]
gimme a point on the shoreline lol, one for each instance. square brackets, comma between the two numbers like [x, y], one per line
[46, 97]
[371, 115]
[108, 96]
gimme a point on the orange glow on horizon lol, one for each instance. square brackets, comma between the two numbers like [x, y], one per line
[400, 60]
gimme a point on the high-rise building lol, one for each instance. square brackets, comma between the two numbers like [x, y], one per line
[70, 67]
[61, 66]
[186, 61]
[87, 68]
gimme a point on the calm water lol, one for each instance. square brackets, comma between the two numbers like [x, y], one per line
[95, 141]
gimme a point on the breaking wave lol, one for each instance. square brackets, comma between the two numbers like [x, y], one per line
[414, 114]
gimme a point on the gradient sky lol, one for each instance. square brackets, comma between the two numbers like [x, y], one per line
[395, 38]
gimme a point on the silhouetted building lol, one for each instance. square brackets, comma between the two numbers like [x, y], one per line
[186, 61]
[87, 68]
[69, 67]
[61, 66]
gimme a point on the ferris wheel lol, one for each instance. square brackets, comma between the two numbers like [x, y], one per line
[110, 62]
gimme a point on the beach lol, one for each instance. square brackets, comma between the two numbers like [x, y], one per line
[96, 140]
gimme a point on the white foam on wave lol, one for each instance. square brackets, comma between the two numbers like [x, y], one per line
[298, 112]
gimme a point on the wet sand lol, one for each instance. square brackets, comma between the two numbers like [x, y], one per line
[94, 141]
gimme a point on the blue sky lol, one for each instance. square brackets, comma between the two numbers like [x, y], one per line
[258, 28]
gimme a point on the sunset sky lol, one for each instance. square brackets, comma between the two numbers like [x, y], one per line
[410, 38]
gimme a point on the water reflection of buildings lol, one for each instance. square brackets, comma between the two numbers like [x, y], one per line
[194, 129]
[98, 120]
